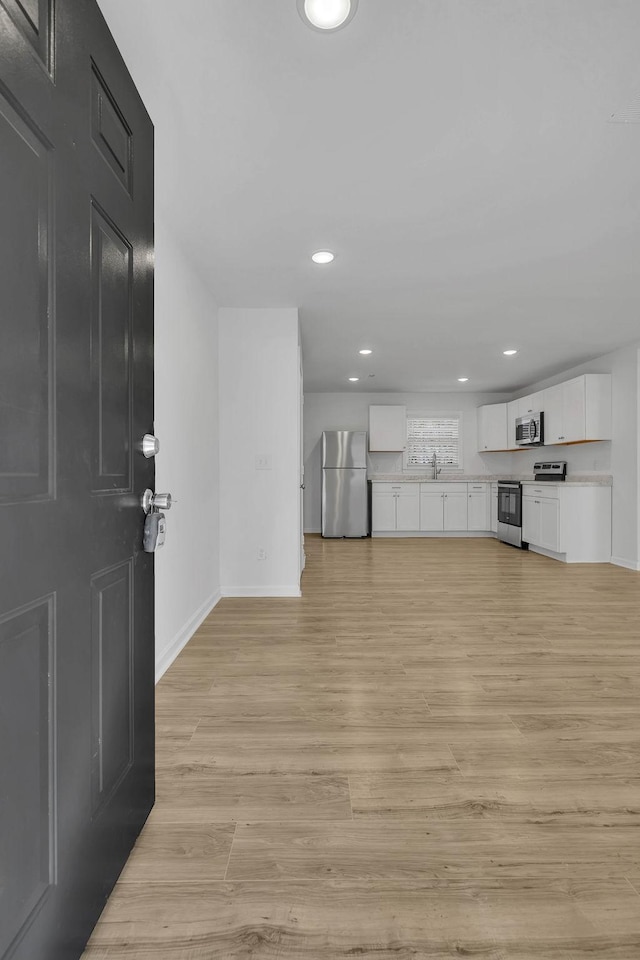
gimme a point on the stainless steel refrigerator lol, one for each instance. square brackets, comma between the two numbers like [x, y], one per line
[345, 489]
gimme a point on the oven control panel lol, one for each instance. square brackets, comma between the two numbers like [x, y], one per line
[550, 470]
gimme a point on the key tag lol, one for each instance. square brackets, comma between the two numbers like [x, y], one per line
[155, 529]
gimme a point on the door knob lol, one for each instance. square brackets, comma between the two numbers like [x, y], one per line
[155, 501]
[149, 446]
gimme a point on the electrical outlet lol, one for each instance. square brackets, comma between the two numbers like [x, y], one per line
[263, 461]
[262, 553]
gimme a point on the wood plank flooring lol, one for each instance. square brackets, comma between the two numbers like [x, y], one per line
[434, 753]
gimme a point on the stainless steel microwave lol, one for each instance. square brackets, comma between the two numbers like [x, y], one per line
[530, 430]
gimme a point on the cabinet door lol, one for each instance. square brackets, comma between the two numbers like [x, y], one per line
[549, 512]
[455, 511]
[512, 415]
[387, 428]
[478, 507]
[573, 410]
[597, 393]
[431, 511]
[384, 511]
[494, 509]
[408, 511]
[552, 409]
[531, 520]
[492, 427]
[533, 403]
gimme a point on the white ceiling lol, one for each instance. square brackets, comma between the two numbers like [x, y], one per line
[456, 155]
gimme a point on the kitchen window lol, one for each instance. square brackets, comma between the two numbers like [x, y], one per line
[428, 434]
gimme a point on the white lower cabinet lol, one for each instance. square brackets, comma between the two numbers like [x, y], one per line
[430, 508]
[408, 509]
[478, 509]
[383, 508]
[395, 506]
[455, 509]
[570, 522]
[541, 522]
[443, 506]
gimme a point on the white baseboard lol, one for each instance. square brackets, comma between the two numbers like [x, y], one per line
[183, 636]
[268, 591]
[628, 564]
[436, 535]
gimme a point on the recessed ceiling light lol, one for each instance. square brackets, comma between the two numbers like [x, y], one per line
[323, 256]
[327, 15]
[354, 379]
[509, 353]
[366, 353]
[463, 379]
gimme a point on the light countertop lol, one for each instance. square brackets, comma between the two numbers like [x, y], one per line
[593, 480]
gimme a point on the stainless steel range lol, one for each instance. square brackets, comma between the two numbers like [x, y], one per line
[550, 470]
[510, 512]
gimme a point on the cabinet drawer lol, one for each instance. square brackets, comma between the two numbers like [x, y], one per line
[451, 487]
[548, 490]
[396, 489]
[477, 487]
[405, 489]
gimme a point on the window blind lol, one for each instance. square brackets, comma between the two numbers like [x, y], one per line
[429, 435]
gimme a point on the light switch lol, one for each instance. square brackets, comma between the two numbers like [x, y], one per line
[263, 461]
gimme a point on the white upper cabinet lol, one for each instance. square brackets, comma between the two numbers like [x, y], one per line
[387, 428]
[552, 409]
[530, 404]
[578, 410]
[492, 427]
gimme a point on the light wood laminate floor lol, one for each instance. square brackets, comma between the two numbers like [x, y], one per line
[434, 753]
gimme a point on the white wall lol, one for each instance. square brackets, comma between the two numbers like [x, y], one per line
[259, 409]
[618, 457]
[186, 388]
[186, 397]
[350, 411]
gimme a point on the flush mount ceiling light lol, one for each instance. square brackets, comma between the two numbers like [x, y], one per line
[463, 379]
[509, 353]
[354, 379]
[366, 353]
[322, 256]
[327, 16]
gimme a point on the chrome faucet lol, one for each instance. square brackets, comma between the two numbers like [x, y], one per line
[436, 468]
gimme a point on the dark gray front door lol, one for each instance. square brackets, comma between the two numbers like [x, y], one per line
[76, 396]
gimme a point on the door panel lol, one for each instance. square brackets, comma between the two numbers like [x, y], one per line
[25, 307]
[111, 353]
[478, 517]
[574, 409]
[26, 755]
[531, 520]
[549, 525]
[112, 679]
[384, 512]
[455, 511]
[110, 131]
[432, 511]
[408, 511]
[553, 421]
[76, 393]
[34, 19]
